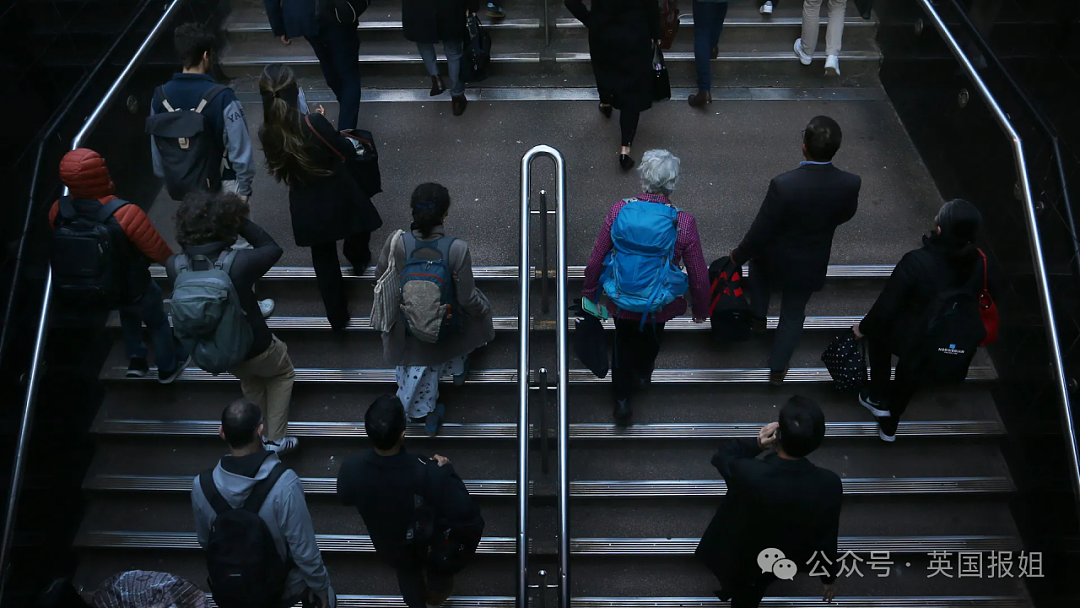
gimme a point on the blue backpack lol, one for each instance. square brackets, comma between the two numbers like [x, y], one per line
[639, 274]
[428, 304]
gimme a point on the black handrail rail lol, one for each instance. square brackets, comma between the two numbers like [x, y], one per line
[6, 329]
[1040, 119]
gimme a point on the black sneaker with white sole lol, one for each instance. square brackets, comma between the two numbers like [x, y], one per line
[873, 404]
[887, 428]
[138, 368]
[170, 376]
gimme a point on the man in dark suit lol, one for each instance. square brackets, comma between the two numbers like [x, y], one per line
[790, 241]
[779, 512]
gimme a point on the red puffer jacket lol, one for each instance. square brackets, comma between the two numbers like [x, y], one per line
[84, 172]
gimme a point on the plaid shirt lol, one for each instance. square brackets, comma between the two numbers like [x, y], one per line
[687, 255]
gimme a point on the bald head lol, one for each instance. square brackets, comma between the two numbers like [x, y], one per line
[240, 423]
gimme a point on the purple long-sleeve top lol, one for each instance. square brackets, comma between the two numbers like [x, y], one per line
[687, 254]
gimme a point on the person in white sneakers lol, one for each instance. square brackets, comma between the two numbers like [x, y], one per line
[767, 8]
[807, 44]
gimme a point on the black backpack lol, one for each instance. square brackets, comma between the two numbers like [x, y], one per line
[243, 565]
[89, 256]
[729, 312]
[432, 543]
[474, 64]
[949, 331]
[190, 156]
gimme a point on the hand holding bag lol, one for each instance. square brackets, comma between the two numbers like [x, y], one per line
[384, 309]
[661, 79]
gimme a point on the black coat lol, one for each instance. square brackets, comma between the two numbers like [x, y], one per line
[792, 234]
[333, 207]
[911, 287]
[435, 20]
[620, 48]
[771, 503]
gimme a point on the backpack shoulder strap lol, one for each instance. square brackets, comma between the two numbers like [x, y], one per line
[209, 96]
[986, 271]
[262, 489]
[444, 244]
[66, 209]
[109, 208]
[408, 241]
[165, 100]
[225, 260]
[181, 262]
[210, 491]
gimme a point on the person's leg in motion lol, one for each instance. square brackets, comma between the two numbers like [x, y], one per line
[704, 17]
[748, 595]
[901, 391]
[788, 331]
[628, 124]
[131, 326]
[168, 354]
[645, 358]
[454, 53]
[624, 378]
[345, 53]
[760, 292]
[411, 583]
[431, 64]
[806, 45]
[357, 249]
[323, 52]
[280, 376]
[834, 34]
[324, 259]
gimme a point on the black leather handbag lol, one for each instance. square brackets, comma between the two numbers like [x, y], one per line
[661, 80]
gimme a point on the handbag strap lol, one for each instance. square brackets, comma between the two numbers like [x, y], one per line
[985, 288]
[323, 139]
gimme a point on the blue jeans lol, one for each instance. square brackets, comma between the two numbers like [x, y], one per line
[150, 309]
[708, 23]
[338, 49]
[454, 52]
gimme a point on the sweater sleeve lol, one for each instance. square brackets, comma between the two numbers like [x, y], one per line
[603, 245]
[141, 232]
[578, 9]
[890, 303]
[299, 534]
[470, 298]
[762, 230]
[697, 271]
[237, 141]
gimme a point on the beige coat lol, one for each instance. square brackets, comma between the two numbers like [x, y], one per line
[478, 327]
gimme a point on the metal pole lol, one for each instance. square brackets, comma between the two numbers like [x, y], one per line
[1042, 283]
[25, 426]
[524, 280]
[543, 254]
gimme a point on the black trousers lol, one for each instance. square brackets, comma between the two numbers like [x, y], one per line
[324, 258]
[416, 585]
[894, 393]
[628, 121]
[792, 315]
[635, 353]
[338, 49]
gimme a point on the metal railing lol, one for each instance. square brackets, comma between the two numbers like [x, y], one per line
[1056, 361]
[563, 429]
[34, 378]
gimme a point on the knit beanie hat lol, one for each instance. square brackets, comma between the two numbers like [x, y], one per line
[959, 220]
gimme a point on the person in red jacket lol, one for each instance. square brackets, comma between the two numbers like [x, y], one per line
[84, 172]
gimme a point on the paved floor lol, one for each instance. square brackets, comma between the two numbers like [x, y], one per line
[724, 177]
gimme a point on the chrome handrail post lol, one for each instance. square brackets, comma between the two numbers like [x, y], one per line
[524, 326]
[1041, 280]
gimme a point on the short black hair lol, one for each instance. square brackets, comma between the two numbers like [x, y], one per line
[209, 217]
[429, 204]
[385, 421]
[192, 41]
[822, 138]
[802, 426]
[239, 421]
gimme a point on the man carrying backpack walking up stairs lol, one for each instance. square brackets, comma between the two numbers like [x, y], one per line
[253, 523]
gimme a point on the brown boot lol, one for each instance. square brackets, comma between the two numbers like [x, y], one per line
[458, 103]
[699, 100]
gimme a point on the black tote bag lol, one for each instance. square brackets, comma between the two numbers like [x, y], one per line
[846, 362]
[590, 345]
[661, 81]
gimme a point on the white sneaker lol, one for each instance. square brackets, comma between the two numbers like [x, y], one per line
[766, 9]
[803, 57]
[281, 446]
[832, 65]
[266, 307]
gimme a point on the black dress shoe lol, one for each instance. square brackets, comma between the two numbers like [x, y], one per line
[605, 110]
[698, 100]
[458, 103]
[622, 413]
[625, 162]
[437, 85]
[714, 52]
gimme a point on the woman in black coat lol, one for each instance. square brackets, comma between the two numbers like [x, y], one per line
[621, 37]
[426, 22]
[325, 202]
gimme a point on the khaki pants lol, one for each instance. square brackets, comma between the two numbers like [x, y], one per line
[267, 380]
[811, 11]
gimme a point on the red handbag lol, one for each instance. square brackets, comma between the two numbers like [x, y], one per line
[669, 22]
[987, 309]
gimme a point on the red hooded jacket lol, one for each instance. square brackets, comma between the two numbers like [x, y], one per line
[84, 172]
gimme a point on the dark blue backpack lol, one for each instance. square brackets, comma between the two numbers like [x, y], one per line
[428, 305]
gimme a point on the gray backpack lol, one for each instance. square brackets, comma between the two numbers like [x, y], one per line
[208, 318]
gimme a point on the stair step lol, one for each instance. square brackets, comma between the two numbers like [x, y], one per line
[476, 601]
[501, 376]
[355, 543]
[510, 273]
[733, 56]
[363, 324]
[802, 602]
[208, 428]
[600, 489]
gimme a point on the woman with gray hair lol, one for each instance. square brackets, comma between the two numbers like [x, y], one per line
[638, 332]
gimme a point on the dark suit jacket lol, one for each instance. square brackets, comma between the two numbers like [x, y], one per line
[790, 505]
[793, 232]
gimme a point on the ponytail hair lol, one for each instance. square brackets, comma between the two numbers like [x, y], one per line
[429, 204]
[283, 134]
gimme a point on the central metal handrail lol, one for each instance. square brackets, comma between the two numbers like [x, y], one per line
[1043, 284]
[563, 431]
[34, 377]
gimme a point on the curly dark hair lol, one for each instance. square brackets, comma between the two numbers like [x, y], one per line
[209, 217]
